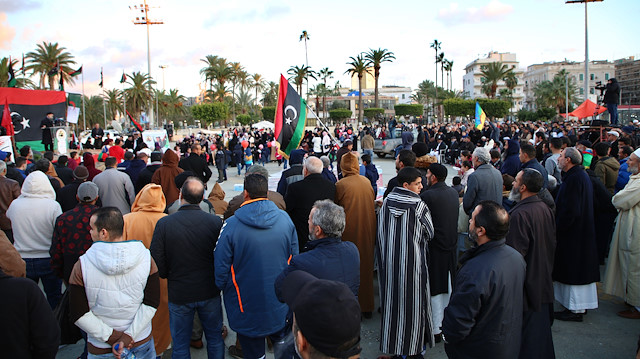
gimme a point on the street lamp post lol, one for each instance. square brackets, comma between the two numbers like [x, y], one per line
[163, 67]
[144, 20]
[586, 43]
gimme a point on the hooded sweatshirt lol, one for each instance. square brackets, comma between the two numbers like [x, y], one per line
[51, 172]
[511, 165]
[147, 209]
[90, 163]
[33, 216]
[216, 197]
[166, 174]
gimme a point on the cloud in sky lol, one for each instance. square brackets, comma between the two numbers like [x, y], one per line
[231, 15]
[7, 33]
[455, 14]
[8, 6]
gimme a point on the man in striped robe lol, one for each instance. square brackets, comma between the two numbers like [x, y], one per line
[404, 229]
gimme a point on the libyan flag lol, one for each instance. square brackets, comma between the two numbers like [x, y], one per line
[291, 117]
[28, 109]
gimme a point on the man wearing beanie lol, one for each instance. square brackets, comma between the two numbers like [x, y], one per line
[423, 159]
[67, 194]
[443, 203]
[326, 317]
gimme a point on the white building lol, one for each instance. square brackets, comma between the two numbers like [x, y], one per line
[472, 79]
[535, 74]
[402, 94]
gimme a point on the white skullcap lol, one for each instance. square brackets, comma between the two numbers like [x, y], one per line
[637, 153]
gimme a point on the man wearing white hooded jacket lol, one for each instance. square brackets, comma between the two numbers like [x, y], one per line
[114, 290]
[33, 217]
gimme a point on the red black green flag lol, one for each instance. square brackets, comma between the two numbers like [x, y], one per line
[101, 79]
[291, 117]
[76, 72]
[123, 79]
[12, 77]
[138, 126]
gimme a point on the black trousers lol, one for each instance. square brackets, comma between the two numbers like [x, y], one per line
[48, 146]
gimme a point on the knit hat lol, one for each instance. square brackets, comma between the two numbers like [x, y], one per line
[81, 172]
[439, 171]
[420, 149]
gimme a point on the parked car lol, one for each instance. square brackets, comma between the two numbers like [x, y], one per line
[388, 146]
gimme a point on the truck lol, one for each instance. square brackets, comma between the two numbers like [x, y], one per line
[388, 146]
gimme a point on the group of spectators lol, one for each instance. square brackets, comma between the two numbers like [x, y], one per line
[146, 258]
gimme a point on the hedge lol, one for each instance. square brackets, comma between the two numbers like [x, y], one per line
[340, 114]
[269, 113]
[467, 108]
[409, 110]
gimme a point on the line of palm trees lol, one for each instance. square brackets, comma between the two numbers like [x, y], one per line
[359, 66]
[224, 77]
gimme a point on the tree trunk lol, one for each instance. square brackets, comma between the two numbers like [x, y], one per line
[360, 98]
[377, 73]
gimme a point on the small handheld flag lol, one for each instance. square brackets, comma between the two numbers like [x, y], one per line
[291, 117]
[138, 126]
[7, 122]
[481, 117]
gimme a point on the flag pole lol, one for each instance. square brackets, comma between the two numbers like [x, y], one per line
[124, 100]
[104, 108]
[323, 125]
[84, 119]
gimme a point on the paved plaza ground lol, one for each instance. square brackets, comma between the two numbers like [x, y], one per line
[603, 334]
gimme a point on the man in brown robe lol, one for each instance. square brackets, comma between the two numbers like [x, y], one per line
[355, 194]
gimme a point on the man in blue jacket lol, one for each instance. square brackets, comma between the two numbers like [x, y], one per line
[254, 247]
[326, 255]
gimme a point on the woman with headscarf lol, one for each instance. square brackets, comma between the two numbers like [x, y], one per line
[165, 176]
[90, 163]
[147, 209]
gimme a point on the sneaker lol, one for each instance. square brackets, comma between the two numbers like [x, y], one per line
[235, 352]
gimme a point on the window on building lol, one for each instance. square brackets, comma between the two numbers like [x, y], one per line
[592, 77]
[606, 76]
[403, 96]
[581, 77]
[581, 89]
[592, 91]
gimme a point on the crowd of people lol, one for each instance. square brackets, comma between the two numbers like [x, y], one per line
[146, 258]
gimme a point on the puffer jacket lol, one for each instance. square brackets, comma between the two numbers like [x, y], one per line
[484, 314]
[607, 169]
[254, 247]
[115, 275]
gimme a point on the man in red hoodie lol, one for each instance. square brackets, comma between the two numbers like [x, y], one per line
[117, 151]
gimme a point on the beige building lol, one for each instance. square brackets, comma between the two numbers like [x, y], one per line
[368, 81]
[472, 79]
[535, 74]
[628, 76]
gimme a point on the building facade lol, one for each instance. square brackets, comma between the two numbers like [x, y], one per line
[628, 75]
[599, 71]
[402, 94]
[472, 79]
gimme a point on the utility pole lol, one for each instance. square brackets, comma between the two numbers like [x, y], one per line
[586, 43]
[143, 19]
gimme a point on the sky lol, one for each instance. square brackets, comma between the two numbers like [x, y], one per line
[264, 35]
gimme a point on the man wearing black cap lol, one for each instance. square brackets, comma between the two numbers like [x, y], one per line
[347, 146]
[443, 203]
[326, 317]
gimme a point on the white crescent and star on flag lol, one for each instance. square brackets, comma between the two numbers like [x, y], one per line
[288, 119]
[24, 123]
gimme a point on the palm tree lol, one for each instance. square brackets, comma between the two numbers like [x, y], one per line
[325, 74]
[170, 104]
[21, 82]
[139, 93]
[448, 66]
[236, 73]
[375, 58]
[270, 96]
[259, 84]
[491, 74]
[50, 60]
[113, 101]
[208, 71]
[359, 66]
[300, 74]
[511, 81]
[436, 46]
[552, 93]
[93, 107]
[244, 100]
[217, 93]
[441, 60]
